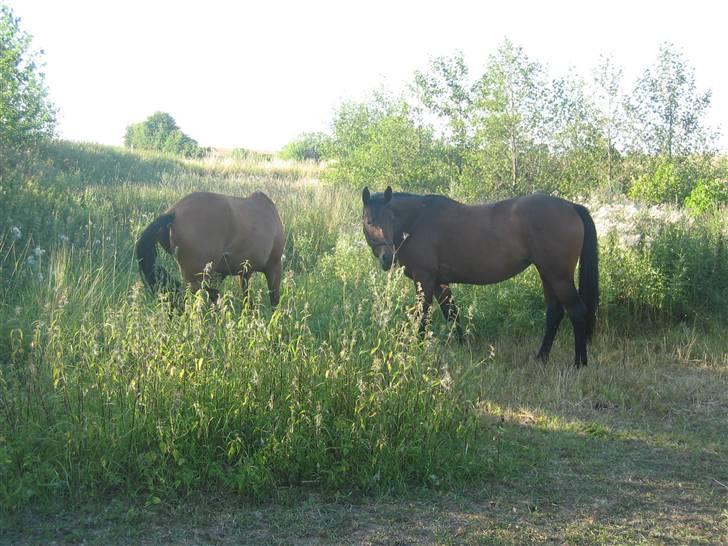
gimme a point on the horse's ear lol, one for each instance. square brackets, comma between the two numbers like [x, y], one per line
[388, 195]
[365, 196]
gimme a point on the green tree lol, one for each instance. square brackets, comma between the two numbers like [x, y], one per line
[447, 93]
[159, 132]
[27, 117]
[381, 142]
[667, 111]
[609, 103]
[575, 140]
[508, 117]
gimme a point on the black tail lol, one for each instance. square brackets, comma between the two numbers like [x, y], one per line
[589, 270]
[146, 252]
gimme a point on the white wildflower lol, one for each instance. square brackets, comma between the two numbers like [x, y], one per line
[16, 233]
[633, 224]
[38, 251]
[63, 238]
[446, 381]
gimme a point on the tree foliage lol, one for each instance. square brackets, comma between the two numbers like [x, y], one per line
[576, 141]
[513, 130]
[509, 117]
[666, 109]
[707, 195]
[447, 93]
[159, 132]
[381, 142]
[27, 116]
[609, 112]
[307, 147]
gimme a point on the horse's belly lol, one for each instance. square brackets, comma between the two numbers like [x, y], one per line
[480, 272]
[233, 263]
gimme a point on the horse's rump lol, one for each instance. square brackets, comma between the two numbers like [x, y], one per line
[210, 233]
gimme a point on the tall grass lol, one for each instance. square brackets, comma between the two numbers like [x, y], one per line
[101, 391]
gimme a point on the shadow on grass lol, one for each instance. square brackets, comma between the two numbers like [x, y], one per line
[578, 488]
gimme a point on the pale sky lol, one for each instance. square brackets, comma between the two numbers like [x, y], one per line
[257, 74]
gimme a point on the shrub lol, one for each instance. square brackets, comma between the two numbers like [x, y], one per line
[380, 143]
[707, 195]
[307, 147]
[663, 185]
[159, 132]
[674, 271]
[244, 154]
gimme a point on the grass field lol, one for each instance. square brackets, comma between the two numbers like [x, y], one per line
[328, 420]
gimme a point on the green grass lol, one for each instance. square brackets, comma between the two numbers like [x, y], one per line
[329, 418]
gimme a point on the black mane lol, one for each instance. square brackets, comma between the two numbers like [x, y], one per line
[428, 199]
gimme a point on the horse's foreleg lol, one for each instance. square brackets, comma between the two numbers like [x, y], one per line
[448, 307]
[273, 276]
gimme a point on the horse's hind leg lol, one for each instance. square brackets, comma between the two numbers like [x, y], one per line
[448, 307]
[554, 315]
[273, 276]
[566, 293]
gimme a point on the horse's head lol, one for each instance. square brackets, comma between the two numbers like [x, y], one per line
[378, 221]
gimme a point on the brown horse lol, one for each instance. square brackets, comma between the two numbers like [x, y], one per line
[440, 241]
[213, 235]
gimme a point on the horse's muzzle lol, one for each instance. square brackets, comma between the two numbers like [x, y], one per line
[386, 260]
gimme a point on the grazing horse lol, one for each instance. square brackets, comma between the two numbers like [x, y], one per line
[215, 235]
[440, 241]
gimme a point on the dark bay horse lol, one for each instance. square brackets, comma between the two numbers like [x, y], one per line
[235, 236]
[440, 241]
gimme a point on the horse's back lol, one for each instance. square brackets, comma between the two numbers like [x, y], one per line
[226, 231]
[482, 244]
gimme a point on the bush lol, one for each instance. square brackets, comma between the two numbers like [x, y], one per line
[663, 185]
[676, 271]
[307, 147]
[159, 132]
[382, 143]
[707, 195]
[244, 154]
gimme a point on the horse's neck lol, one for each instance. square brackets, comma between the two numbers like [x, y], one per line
[407, 209]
